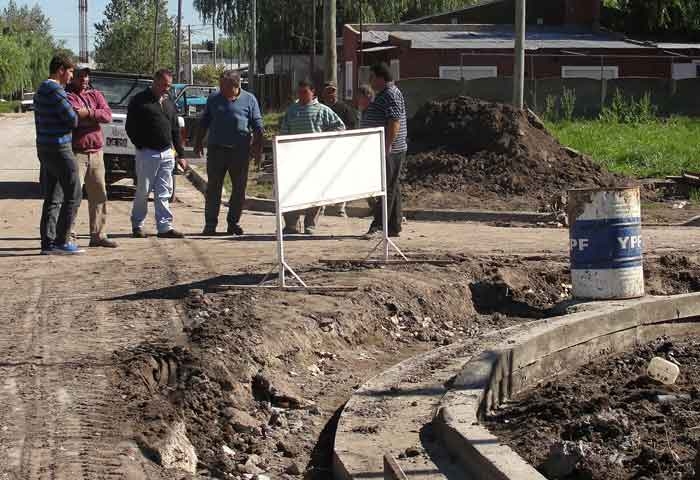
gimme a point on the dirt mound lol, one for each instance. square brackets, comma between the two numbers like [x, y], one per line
[587, 425]
[478, 149]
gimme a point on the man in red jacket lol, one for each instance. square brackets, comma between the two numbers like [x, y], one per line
[88, 141]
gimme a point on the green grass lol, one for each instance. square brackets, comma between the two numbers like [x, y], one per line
[254, 189]
[8, 107]
[271, 121]
[654, 149]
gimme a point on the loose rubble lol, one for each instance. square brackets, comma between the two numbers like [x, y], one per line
[610, 420]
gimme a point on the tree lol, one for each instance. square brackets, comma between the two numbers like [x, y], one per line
[286, 26]
[14, 69]
[25, 20]
[656, 17]
[26, 47]
[124, 39]
[207, 74]
[233, 46]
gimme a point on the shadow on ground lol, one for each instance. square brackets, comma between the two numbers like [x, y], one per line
[20, 190]
[176, 292]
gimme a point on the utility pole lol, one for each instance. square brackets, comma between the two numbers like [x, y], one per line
[519, 55]
[83, 27]
[190, 79]
[178, 46]
[213, 35]
[362, 57]
[253, 65]
[313, 39]
[155, 37]
[330, 54]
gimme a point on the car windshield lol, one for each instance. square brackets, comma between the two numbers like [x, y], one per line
[28, 96]
[119, 91]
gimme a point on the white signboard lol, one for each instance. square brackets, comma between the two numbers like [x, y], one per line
[327, 168]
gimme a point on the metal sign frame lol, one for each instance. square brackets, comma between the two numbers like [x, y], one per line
[385, 242]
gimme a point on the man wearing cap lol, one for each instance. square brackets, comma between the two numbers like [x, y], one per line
[88, 141]
[346, 113]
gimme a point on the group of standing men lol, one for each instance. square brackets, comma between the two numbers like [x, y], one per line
[69, 145]
[68, 118]
[70, 142]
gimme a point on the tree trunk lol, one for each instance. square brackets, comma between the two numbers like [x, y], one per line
[330, 54]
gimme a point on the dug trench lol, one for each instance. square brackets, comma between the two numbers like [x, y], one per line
[255, 387]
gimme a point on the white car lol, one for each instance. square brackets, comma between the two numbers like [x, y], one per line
[27, 103]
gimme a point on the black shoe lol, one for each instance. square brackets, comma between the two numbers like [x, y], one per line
[290, 231]
[372, 233]
[138, 233]
[234, 230]
[172, 233]
[394, 234]
[209, 231]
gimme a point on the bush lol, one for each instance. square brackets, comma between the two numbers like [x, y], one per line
[551, 112]
[632, 111]
[568, 104]
[208, 74]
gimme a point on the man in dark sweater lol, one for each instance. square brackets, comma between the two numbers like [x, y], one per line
[55, 120]
[346, 113]
[152, 126]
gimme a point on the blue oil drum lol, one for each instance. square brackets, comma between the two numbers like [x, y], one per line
[605, 233]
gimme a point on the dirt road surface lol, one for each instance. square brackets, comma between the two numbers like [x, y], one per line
[62, 318]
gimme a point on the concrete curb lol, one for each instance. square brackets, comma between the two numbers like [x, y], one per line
[550, 348]
[426, 215]
[251, 203]
[356, 455]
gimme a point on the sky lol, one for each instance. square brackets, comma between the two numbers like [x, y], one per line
[64, 17]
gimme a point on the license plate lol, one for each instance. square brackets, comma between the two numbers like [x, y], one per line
[117, 142]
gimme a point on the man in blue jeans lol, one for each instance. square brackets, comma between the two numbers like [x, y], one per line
[235, 125]
[152, 126]
[55, 120]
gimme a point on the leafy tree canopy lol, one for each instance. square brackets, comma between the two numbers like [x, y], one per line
[124, 39]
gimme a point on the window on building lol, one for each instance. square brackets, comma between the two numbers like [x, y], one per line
[468, 72]
[682, 71]
[592, 72]
[454, 20]
[395, 66]
[349, 81]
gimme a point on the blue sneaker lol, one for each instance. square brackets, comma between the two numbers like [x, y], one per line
[66, 249]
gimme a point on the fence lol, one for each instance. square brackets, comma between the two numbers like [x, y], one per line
[274, 91]
[679, 97]
[670, 78]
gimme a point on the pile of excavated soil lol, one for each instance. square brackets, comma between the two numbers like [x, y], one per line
[609, 421]
[471, 153]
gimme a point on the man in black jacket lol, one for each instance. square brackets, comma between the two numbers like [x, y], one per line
[152, 126]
